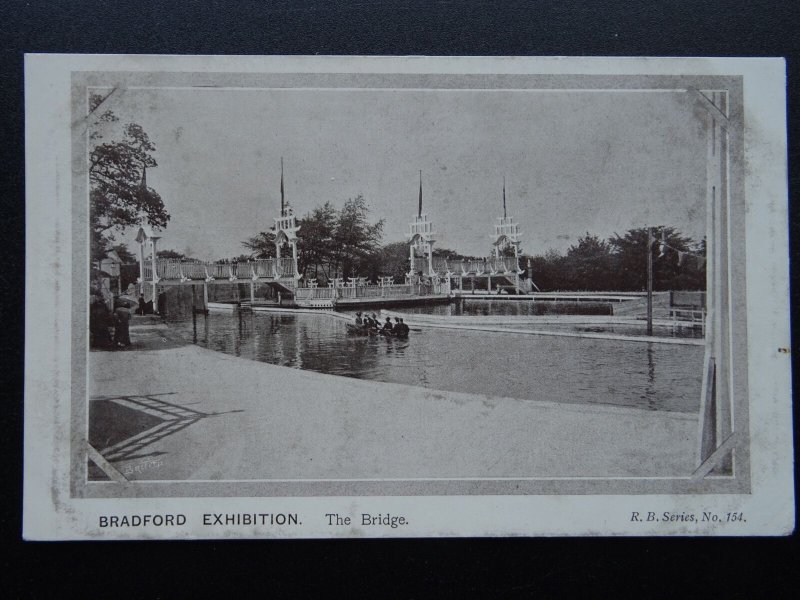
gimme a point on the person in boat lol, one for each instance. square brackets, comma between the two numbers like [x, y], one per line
[364, 321]
[359, 320]
[388, 328]
[401, 329]
[374, 323]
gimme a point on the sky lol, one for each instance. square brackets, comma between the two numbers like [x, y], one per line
[574, 162]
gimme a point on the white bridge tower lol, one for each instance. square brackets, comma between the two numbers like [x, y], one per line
[422, 236]
[507, 235]
[286, 229]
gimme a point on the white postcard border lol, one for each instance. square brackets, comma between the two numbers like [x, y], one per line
[50, 512]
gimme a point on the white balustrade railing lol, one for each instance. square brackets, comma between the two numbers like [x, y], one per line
[168, 269]
[271, 268]
[403, 289]
[370, 292]
[504, 264]
[456, 266]
[264, 267]
[193, 270]
[175, 269]
[218, 270]
[284, 267]
[475, 266]
[363, 291]
[242, 270]
[317, 293]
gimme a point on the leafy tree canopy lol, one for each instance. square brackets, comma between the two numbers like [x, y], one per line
[174, 254]
[119, 195]
[354, 239]
[261, 245]
[620, 263]
[124, 254]
[331, 243]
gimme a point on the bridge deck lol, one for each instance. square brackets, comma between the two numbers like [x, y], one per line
[185, 271]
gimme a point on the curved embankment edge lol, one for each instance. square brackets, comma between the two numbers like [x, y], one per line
[311, 426]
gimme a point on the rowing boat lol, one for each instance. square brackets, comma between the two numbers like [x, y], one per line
[360, 330]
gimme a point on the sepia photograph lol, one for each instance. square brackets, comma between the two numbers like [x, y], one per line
[386, 282]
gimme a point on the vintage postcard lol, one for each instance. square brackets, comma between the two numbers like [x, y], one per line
[372, 297]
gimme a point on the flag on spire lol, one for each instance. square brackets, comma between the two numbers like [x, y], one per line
[504, 196]
[283, 210]
[419, 212]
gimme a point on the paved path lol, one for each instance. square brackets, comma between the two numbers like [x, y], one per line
[207, 415]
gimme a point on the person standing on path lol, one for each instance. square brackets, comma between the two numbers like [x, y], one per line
[122, 318]
[99, 321]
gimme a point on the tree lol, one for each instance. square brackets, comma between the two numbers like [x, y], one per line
[316, 241]
[391, 260]
[620, 263]
[124, 254]
[173, 254]
[630, 259]
[445, 253]
[119, 196]
[588, 264]
[354, 239]
[261, 245]
[549, 272]
[330, 243]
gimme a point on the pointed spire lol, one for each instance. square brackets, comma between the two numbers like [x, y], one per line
[419, 212]
[504, 196]
[283, 209]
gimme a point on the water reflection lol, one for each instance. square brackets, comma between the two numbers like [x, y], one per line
[519, 308]
[651, 377]
[558, 369]
[526, 308]
[619, 329]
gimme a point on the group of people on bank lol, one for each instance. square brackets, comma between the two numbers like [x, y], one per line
[102, 321]
[111, 328]
[372, 324]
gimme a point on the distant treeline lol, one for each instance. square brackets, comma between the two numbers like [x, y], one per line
[619, 263]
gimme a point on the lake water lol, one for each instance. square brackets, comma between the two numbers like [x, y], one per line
[522, 308]
[558, 369]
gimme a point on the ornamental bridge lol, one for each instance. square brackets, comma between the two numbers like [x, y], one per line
[282, 270]
[429, 278]
[451, 275]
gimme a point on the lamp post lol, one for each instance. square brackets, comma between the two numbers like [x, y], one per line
[649, 281]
